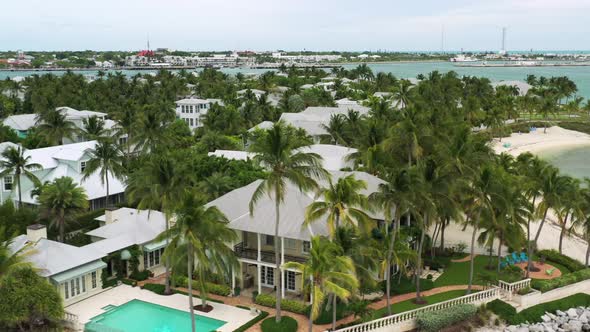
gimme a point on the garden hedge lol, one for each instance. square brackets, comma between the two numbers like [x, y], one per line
[533, 314]
[222, 290]
[297, 307]
[252, 322]
[564, 280]
[433, 321]
[554, 256]
[156, 288]
[287, 324]
[140, 275]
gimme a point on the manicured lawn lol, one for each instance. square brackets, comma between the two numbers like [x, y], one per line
[458, 273]
[410, 305]
[563, 269]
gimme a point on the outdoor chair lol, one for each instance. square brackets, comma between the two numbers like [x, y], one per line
[550, 271]
[509, 260]
[515, 257]
[524, 257]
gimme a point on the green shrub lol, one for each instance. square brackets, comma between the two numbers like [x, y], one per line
[106, 283]
[129, 282]
[252, 322]
[287, 324]
[564, 280]
[325, 316]
[554, 256]
[577, 126]
[297, 307]
[222, 290]
[406, 285]
[140, 275]
[502, 309]
[156, 288]
[433, 321]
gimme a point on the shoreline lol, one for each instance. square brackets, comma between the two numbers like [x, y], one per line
[556, 139]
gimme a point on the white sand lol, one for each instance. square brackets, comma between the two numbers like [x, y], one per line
[537, 141]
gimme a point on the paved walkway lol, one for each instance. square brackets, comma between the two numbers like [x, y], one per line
[404, 297]
[461, 260]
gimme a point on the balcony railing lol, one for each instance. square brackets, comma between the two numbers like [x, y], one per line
[265, 256]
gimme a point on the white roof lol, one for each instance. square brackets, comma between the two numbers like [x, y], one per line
[129, 227]
[22, 122]
[72, 114]
[334, 156]
[346, 101]
[264, 125]
[192, 101]
[255, 91]
[523, 87]
[52, 257]
[232, 154]
[312, 119]
[235, 205]
[6, 145]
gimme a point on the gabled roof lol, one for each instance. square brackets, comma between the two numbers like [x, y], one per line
[52, 257]
[22, 122]
[254, 91]
[313, 119]
[235, 205]
[192, 101]
[232, 154]
[74, 114]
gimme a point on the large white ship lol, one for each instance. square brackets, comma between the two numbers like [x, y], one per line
[463, 58]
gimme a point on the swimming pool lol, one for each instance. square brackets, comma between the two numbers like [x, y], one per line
[140, 316]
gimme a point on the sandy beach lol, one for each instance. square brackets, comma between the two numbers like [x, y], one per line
[556, 138]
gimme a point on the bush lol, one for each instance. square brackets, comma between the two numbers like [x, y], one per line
[140, 275]
[406, 285]
[156, 288]
[252, 322]
[433, 321]
[502, 309]
[293, 306]
[325, 316]
[577, 126]
[106, 283]
[564, 280]
[554, 256]
[129, 282]
[287, 324]
[212, 288]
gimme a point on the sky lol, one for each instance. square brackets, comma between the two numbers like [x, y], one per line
[342, 25]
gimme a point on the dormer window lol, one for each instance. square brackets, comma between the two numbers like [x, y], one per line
[8, 180]
[82, 166]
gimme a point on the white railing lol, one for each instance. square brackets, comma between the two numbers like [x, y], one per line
[70, 317]
[410, 316]
[509, 289]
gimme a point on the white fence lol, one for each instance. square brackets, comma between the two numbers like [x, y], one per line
[72, 322]
[508, 290]
[407, 320]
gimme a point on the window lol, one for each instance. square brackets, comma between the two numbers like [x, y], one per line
[182, 108]
[306, 247]
[82, 166]
[152, 258]
[83, 284]
[192, 123]
[290, 281]
[290, 244]
[122, 140]
[8, 183]
[67, 292]
[157, 257]
[269, 240]
[267, 276]
[93, 279]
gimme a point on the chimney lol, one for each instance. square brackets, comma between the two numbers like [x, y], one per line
[108, 216]
[36, 232]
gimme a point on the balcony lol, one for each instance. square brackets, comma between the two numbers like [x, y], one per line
[265, 256]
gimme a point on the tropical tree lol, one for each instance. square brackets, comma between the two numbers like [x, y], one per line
[53, 127]
[281, 155]
[401, 94]
[61, 201]
[328, 272]
[10, 260]
[93, 128]
[107, 159]
[202, 235]
[15, 162]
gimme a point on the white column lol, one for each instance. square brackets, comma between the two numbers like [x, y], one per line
[258, 238]
[259, 280]
[233, 281]
[281, 267]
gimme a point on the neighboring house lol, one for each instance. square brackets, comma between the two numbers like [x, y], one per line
[22, 123]
[75, 271]
[256, 92]
[192, 111]
[255, 246]
[232, 154]
[523, 87]
[64, 160]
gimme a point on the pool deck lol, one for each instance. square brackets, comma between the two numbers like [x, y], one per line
[119, 295]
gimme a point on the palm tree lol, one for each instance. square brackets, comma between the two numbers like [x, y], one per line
[280, 154]
[216, 185]
[150, 131]
[61, 201]
[401, 94]
[328, 272]
[107, 158]
[53, 127]
[93, 128]
[11, 261]
[159, 185]
[14, 162]
[202, 235]
[125, 125]
[337, 128]
[571, 206]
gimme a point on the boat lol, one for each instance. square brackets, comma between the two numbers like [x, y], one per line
[463, 58]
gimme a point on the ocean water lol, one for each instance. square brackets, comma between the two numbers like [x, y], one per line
[580, 75]
[573, 161]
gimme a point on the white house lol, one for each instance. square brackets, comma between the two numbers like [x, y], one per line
[192, 111]
[64, 160]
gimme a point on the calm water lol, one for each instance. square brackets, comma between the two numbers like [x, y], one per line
[139, 316]
[574, 161]
[580, 75]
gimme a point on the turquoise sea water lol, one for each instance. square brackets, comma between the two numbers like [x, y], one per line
[140, 316]
[580, 75]
[573, 161]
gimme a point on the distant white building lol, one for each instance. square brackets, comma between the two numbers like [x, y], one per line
[192, 111]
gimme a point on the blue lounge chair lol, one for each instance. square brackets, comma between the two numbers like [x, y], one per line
[509, 260]
[503, 264]
[515, 257]
[524, 257]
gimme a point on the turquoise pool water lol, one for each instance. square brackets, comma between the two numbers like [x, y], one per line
[140, 316]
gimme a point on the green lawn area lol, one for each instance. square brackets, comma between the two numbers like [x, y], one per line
[560, 267]
[458, 273]
[409, 305]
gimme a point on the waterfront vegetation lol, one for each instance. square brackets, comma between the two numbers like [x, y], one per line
[437, 171]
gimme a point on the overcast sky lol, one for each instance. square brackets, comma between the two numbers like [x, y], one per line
[294, 24]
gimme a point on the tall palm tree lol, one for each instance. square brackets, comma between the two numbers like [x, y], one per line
[401, 93]
[14, 162]
[107, 159]
[328, 272]
[159, 185]
[93, 128]
[53, 127]
[202, 235]
[11, 261]
[61, 201]
[150, 131]
[571, 206]
[280, 154]
[125, 124]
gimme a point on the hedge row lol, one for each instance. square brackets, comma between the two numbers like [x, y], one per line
[297, 307]
[554, 256]
[222, 290]
[433, 321]
[156, 288]
[263, 314]
[140, 275]
[564, 280]
[533, 314]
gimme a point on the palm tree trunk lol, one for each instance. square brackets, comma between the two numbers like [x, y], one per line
[500, 240]
[587, 254]
[20, 193]
[471, 260]
[190, 286]
[310, 309]
[562, 233]
[388, 266]
[62, 229]
[528, 235]
[534, 248]
[107, 183]
[167, 290]
[434, 238]
[277, 260]
[491, 253]
[335, 298]
[442, 234]
[419, 260]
